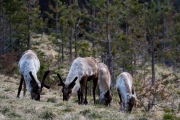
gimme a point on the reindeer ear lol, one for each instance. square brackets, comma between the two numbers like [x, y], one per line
[71, 85]
[61, 81]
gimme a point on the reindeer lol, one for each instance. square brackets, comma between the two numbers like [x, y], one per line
[104, 82]
[125, 89]
[28, 67]
[81, 71]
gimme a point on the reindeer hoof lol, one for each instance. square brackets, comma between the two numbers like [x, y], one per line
[80, 103]
[85, 102]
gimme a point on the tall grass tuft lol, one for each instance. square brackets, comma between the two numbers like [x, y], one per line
[52, 100]
[46, 114]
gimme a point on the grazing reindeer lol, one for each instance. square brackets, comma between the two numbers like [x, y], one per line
[81, 71]
[104, 82]
[28, 67]
[125, 89]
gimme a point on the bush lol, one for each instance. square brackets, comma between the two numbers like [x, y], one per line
[8, 63]
[168, 116]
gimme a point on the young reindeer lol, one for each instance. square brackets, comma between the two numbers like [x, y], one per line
[125, 89]
[81, 71]
[28, 67]
[104, 82]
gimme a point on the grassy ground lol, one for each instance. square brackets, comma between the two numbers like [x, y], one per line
[51, 106]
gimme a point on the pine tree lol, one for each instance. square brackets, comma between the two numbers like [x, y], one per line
[155, 16]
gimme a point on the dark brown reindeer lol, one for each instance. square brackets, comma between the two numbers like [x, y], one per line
[125, 89]
[104, 82]
[28, 67]
[81, 71]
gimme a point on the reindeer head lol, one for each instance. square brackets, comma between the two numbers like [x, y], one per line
[67, 89]
[107, 98]
[36, 90]
[131, 102]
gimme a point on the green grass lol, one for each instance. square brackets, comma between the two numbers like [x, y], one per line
[8, 89]
[168, 116]
[4, 109]
[68, 109]
[46, 114]
[59, 104]
[91, 114]
[13, 115]
[52, 100]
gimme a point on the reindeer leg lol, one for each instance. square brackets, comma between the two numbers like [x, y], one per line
[20, 86]
[94, 89]
[24, 95]
[82, 86]
[85, 101]
[133, 90]
[120, 102]
[79, 96]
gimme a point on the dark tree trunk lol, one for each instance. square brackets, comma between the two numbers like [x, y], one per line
[28, 25]
[56, 20]
[62, 45]
[152, 60]
[108, 56]
[2, 31]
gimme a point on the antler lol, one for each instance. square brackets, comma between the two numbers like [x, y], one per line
[30, 73]
[44, 77]
[61, 81]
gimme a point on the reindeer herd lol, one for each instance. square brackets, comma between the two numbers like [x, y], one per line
[81, 71]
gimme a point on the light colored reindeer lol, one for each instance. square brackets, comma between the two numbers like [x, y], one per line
[104, 83]
[81, 71]
[28, 67]
[125, 89]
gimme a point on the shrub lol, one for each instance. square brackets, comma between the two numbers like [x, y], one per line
[8, 62]
[168, 116]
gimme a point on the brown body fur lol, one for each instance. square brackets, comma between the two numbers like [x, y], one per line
[81, 71]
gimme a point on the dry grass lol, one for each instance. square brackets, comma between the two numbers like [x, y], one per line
[51, 106]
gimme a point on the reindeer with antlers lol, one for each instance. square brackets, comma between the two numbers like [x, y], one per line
[81, 71]
[28, 67]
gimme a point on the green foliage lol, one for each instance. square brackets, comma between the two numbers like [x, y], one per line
[84, 49]
[167, 110]
[52, 100]
[168, 116]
